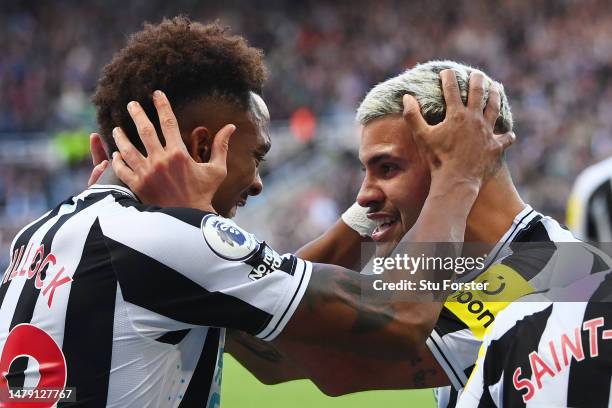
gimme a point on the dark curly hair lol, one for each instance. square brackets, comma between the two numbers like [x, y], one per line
[187, 60]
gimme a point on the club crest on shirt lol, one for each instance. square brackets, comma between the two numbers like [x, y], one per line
[228, 240]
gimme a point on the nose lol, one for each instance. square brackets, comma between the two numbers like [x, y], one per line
[257, 185]
[369, 194]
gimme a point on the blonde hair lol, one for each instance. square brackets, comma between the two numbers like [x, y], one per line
[423, 82]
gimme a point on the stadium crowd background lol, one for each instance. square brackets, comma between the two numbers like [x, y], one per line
[554, 57]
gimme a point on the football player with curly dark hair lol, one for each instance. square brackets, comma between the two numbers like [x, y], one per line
[212, 78]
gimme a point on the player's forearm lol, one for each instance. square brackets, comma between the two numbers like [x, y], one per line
[334, 314]
[340, 245]
[444, 214]
[266, 362]
[340, 372]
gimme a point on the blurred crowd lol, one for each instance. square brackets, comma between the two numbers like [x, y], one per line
[554, 57]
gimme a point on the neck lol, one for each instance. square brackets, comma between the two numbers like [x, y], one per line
[108, 177]
[497, 205]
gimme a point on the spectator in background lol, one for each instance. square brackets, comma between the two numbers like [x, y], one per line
[589, 208]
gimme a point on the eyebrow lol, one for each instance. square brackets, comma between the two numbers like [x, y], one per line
[378, 158]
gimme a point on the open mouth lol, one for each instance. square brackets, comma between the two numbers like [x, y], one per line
[383, 227]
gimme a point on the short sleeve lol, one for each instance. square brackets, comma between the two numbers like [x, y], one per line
[179, 268]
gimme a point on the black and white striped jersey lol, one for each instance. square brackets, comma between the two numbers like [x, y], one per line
[528, 258]
[128, 303]
[547, 353]
[589, 208]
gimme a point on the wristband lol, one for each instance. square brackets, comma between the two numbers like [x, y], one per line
[356, 218]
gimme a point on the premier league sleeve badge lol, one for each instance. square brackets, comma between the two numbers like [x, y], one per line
[227, 240]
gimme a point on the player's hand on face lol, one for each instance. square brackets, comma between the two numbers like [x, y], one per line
[168, 176]
[462, 146]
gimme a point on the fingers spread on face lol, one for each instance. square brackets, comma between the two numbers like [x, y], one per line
[133, 158]
[450, 88]
[167, 120]
[476, 90]
[145, 128]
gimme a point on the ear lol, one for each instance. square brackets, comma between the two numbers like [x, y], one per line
[199, 144]
[97, 149]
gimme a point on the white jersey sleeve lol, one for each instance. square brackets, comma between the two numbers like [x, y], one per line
[179, 268]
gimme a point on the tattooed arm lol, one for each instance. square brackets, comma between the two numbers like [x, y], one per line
[341, 246]
[266, 362]
[338, 372]
[335, 372]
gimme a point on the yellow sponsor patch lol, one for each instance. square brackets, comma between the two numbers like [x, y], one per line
[478, 308]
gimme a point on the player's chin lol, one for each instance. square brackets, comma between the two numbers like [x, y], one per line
[226, 212]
